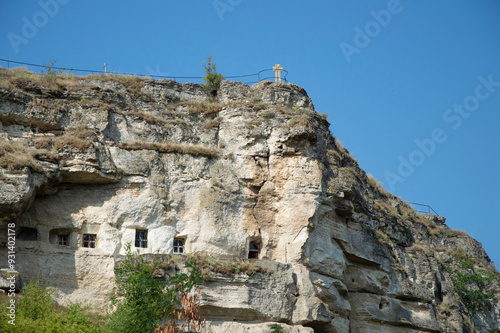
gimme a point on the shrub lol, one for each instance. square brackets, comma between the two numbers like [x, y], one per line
[473, 287]
[36, 301]
[50, 72]
[36, 312]
[145, 301]
[212, 78]
[276, 328]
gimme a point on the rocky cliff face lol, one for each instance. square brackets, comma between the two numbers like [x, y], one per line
[255, 167]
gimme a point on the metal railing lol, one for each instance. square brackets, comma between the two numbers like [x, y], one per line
[259, 76]
[423, 208]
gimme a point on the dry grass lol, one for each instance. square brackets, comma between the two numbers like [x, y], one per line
[16, 156]
[147, 117]
[418, 247]
[13, 79]
[197, 108]
[383, 238]
[455, 233]
[171, 147]
[377, 186]
[344, 152]
[260, 106]
[211, 123]
[252, 123]
[383, 206]
[267, 114]
[79, 137]
[445, 306]
[298, 120]
[209, 265]
[236, 266]
[133, 84]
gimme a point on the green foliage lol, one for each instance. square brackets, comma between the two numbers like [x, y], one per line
[144, 300]
[36, 312]
[472, 285]
[51, 73]
[212, 78]
[36, 301]
[276, 328]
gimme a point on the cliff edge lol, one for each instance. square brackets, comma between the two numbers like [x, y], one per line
[89, 164]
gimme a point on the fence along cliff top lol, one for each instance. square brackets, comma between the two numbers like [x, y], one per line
[257, 77]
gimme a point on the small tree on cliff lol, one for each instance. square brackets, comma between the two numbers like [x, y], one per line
[145, 301]
[212, 78]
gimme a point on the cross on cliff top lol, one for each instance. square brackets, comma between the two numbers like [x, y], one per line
[277, 69]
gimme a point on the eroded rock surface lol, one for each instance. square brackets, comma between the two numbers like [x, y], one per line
[258, 165]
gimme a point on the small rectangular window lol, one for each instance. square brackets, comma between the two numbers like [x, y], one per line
[178, 245]
[62, 240]
[254, 250]
[141, 238]
[89, 240]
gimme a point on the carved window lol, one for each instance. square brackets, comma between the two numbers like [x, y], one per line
[62, 240]
[28, 234]
[89, 240]
[253, 251]
[141, 238]
[178, 245]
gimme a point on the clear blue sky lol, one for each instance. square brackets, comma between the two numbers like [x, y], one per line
[387, 73]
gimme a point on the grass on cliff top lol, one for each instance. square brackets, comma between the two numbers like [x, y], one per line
[132, 83]
[171, 147]
[12, 79]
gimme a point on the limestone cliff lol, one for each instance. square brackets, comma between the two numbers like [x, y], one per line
[106, 157]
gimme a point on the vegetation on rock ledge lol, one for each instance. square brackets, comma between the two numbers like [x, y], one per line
[473, 286]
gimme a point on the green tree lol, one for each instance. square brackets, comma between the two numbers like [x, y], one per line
[36, 312]
[36, 301]
[146, 301]
[212, 78]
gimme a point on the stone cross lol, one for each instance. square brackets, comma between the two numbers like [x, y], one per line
[105, 69]
[277, 72]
